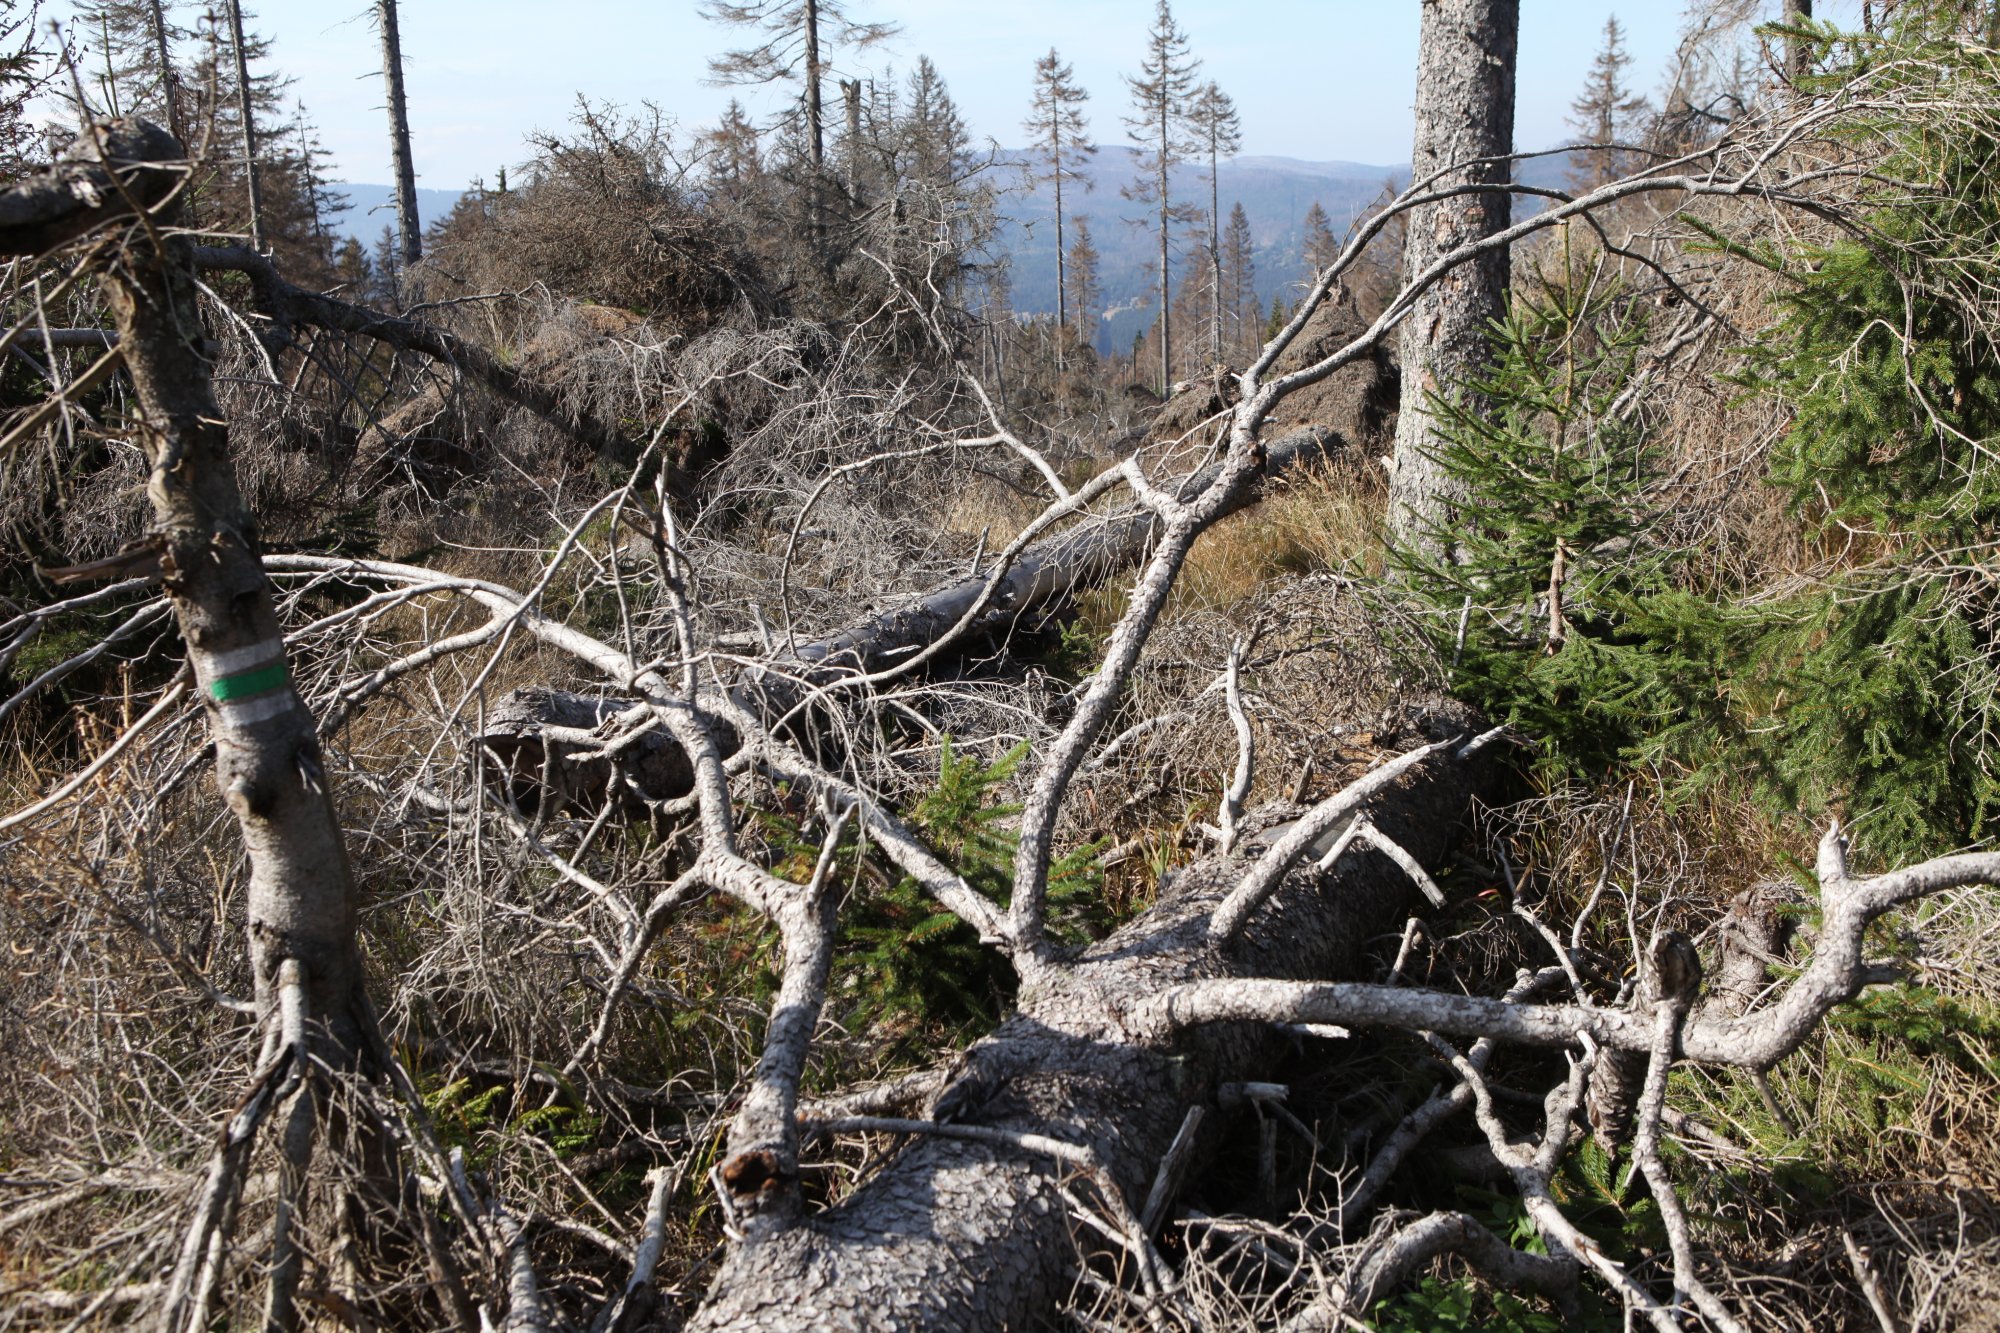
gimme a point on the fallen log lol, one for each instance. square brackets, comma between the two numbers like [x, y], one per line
[553, 739]
[968, 1227]
[285, 304]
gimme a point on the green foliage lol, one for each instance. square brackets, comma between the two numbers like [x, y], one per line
[63, 639]
[1885, 348]
[1440, 1306]
[1600, 1198]
[1548, 565]
[1925, 1023]
[471, 1117]
[1879, 689]
[907, 959]
[1876, 689]
[1076, 649]
[1881, 694]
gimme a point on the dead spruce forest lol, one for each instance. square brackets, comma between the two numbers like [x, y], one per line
[651, 754]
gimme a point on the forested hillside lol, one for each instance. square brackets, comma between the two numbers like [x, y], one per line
[687, 741]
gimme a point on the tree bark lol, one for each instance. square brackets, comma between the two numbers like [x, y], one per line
[850, 93]
[815, 131]
[1214, 260]
[245, 110]
[1464, 111]
[409, 228]
[170, 82]
[1162, 182]
[1062, 260]
[301, 908]
[268, 766]
[959, 1233]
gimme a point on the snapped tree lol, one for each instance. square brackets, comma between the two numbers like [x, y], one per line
[1082, 1109]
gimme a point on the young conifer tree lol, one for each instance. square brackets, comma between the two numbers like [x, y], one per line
[1537, 601]
[1160, 94]
[1059, 148]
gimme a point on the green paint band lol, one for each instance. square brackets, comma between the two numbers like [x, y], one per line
[245, 684]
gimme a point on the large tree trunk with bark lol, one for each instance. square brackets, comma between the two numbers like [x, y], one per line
[301, 907]
[409, 228]
[267, 760]
[968, 1232]
[1464, 112]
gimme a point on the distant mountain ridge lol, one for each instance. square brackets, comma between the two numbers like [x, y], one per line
[370, 208]
[1276, 193]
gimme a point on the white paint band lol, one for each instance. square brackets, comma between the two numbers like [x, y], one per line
[243, 659]
[262, 708]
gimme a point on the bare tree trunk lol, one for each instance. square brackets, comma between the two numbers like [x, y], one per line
[170, 82]
[973, 1230]
[244, 109]
[1464, 111]
[850, 91]
[301, 906]
[312, 191]
[409, 228]
[815, 129]
[1166, 294]
[1062, 262]
[1214, 262]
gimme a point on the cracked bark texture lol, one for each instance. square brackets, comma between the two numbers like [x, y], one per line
[955, 1234]
[1464, 112]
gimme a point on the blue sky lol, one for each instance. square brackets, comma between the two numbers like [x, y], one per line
[1317, 79]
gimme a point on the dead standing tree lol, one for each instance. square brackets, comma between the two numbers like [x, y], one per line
[1465, 136]
[409, 229]
[1069, 1108]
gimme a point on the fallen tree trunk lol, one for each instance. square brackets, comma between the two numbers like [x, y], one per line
[968, 1226]
[553, 739]
[286, 304]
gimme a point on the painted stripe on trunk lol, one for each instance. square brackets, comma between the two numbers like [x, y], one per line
[242, 659]
[249, 712]
[241, 686]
